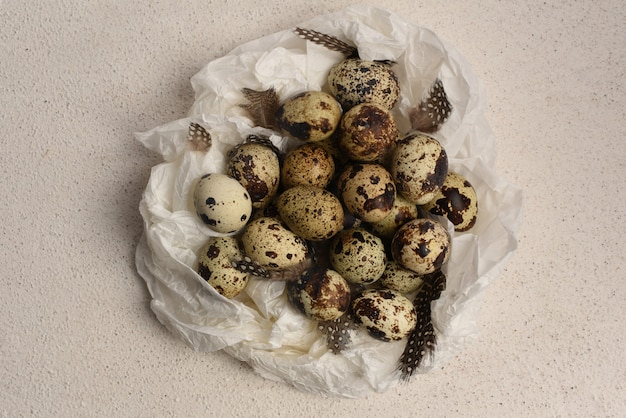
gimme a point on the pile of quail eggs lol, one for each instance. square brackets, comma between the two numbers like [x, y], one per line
[345, 216]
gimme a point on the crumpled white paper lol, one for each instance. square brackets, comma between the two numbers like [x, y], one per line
[259, 326]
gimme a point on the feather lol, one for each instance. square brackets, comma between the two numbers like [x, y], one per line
[327, 41]
[422, 340]
[337, 332]
[247, 265]
[262, 106]
[199, 137]
[433, 111]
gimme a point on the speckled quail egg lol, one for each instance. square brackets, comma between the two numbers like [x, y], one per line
[367, 132]
[400, 279]
[456, 201]
[257, 168]
[355, 81]
[358, 255]
[419, 166]
[307, 165]
[421, 245]
[401, 212]
[268, 242]
[310, 116]
[320, 293]
[386, 314]
[222, 203]
[311, 212]
[214, 266]
[367, 190]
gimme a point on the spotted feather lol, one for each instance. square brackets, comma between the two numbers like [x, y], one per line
[327, 41]
[199, 138]
[337, 332]
[433, 111]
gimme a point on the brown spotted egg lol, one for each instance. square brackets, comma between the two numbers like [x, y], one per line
[421, 245]
[311, 212]
[257, 168]
[456, 201]
[214, 266]
[268, 242]
[400, 279]
[355, 81]
[386, 314]
[310, 116]
[358, 255]
[367, 190]
[307, 165]
[320, 293]
[367, 132]
[401, 212]
[419, 165]
[222, 203]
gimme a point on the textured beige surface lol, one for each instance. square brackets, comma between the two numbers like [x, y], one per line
[77, 336]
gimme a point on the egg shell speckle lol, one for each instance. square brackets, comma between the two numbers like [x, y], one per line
[367, 132]
[358, 255]
[419, 166]
[222, 203]
[214, 266]
[456, 201]
[355, 81]
[320, 293]
[421, 245]
[257, 168]
[309, 164]
[268, 242]
[367, 190]
[386, 314]
[309, 116]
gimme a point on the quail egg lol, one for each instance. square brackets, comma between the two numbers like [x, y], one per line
[222, 203]
[367, 190]
[401, 212]
[456, 201]
[311, 212]
[214, 266]
[368, 131]
[419, 166]
[321, 294]
[268, 242]
[355, 81]
[386, 314]
[307, 165]
[310, 116]
[257, 168]
[358, 255]
[400, 279]
[421, 245]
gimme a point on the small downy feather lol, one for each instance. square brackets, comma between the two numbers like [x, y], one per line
[433, 111]
[337, 332]
[247, 265]
[327, 41]
[198, 137]
[261, 106]
[422, 340]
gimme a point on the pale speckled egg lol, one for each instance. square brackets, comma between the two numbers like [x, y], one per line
[355, 81]
[358, 255]
[311, 212]
[401, 212]
[386, 314]
[321, 294]
[421, 245]
[367, 190]
[456, 201]
[257, 168]
[268, 242]
[307, 165]
[310, 116]
[367, 132]
[400, 279]
[222, 203]
[214, 266]
[419, 165]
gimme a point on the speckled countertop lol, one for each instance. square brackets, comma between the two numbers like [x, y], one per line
[78, 337]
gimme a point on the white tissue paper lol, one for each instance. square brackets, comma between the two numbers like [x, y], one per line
[260, 326]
